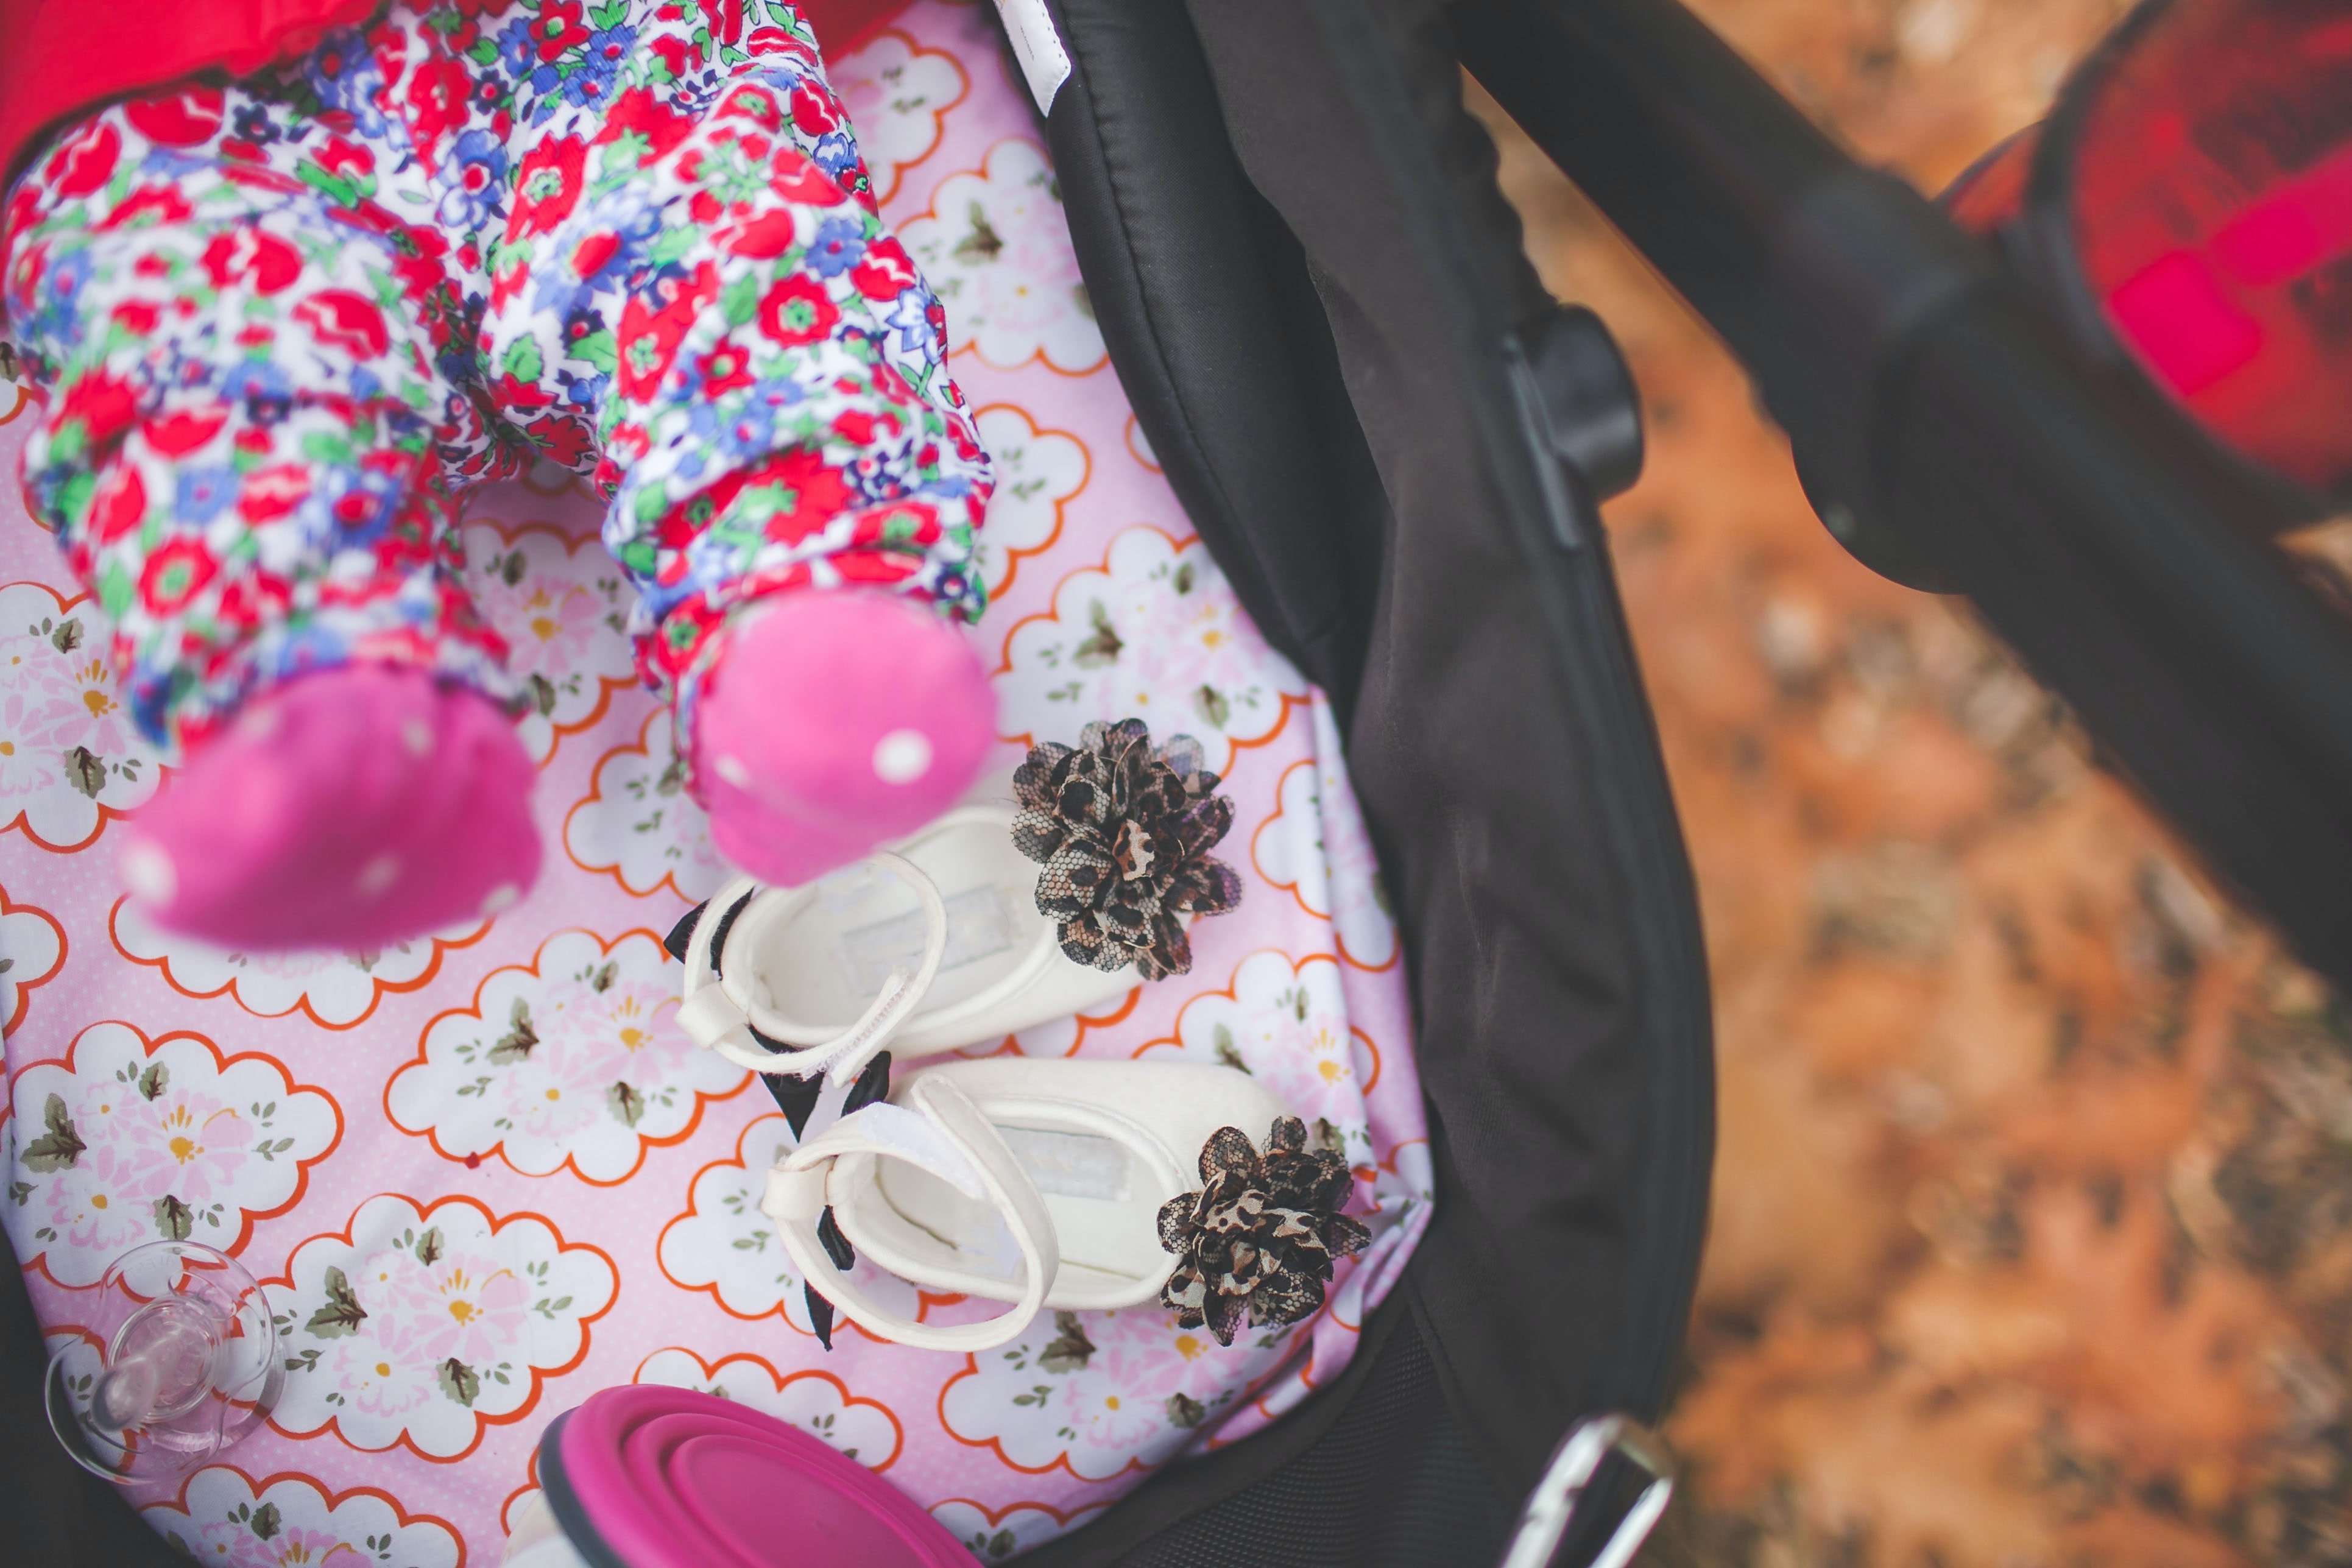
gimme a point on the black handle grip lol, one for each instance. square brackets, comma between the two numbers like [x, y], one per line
[1926, 397]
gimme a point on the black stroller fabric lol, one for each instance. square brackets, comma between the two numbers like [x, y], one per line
[1314, 296]
[1498, 736]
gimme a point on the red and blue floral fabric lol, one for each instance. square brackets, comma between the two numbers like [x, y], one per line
[286, 323]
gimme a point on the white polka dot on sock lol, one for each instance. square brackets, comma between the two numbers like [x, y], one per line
[902, 756]
[377, 875]
[501, 898]
[417, 736]
[730, 768]
[148, 871]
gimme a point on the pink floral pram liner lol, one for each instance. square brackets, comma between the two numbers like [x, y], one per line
[484, 1174]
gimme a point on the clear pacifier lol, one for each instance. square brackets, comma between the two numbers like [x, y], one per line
[176, 1360]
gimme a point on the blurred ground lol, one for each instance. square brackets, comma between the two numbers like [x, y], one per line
[2033, 1227]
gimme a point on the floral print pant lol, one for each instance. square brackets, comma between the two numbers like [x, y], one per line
[285, 325]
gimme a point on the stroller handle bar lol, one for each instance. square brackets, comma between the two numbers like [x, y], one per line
[1944, 436]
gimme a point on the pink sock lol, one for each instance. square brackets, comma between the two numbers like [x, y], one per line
[345, 809]
[832, 721]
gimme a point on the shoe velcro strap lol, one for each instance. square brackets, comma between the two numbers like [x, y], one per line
[725, 1009]
[709, 1015]
[941, 1131]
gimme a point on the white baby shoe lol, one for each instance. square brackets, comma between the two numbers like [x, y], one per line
[934, 944]
[1009, 911]
[1037, 1182]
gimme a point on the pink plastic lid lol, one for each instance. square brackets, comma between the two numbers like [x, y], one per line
[668, 1478]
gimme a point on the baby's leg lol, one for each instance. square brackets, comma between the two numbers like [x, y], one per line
[242, 455]
[795, 481]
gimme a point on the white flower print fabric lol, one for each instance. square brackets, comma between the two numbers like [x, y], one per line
[482, 1174]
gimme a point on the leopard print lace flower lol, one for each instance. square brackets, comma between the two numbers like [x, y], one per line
[1124, 833]
[1257, 1242]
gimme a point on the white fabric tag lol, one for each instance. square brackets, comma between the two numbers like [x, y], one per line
[1071, 1164]
[1038, 47]
[981, 924]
